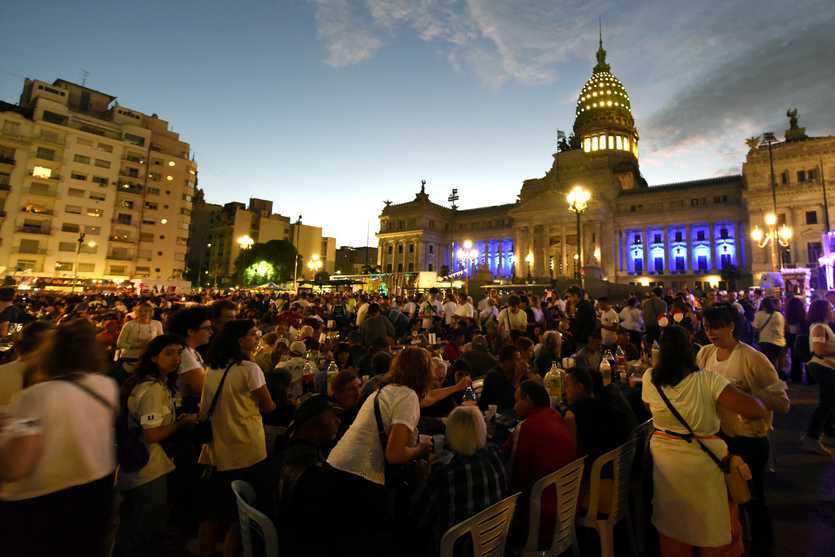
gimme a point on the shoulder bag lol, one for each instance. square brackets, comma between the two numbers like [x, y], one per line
[737, 474]
[397, 475]
[757, 333]
[202, 432]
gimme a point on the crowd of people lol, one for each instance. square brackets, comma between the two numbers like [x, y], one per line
[366, 385]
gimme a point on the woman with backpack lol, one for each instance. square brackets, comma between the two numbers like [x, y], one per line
[150, 409]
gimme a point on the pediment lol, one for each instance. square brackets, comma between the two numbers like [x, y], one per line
[551, 200]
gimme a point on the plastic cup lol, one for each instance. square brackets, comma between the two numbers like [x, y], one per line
[439, 442]
[494, 408]
[424, 439]
[555, 401]
[623, 377]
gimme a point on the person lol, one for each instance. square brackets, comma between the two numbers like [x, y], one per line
[57, 461]
[449, 310]
[500, 383]
[452, 351]
[301, 476]
[375, 325]
[472, 481]
[584, 321]
[14, 375]
[795, 327]
[478, 356]
[464, 310]
[108, 338]
[296, 365]
[629, 349]
[238, 449]
[609, 322]
[362, 309]
[9, 312]
[194, 325]
[526, 356]
[653, 308]
[750, 371]
[633, 319]
[690, 507]
[440, 400]
[540, 445]
[770, 325]
[591, 355]
[549, 353]
[512, 318]
[430, 309]
[821, 427]
[137, 333]
[263, 357]
[143, 512]
[358, 460]
[347, 391]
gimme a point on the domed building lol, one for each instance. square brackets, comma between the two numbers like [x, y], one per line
[630, 234]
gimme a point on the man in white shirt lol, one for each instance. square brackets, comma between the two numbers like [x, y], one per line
[430, 308]
[512, 317]
[449, 309]
[363, 309]
[464, 310]
[609, 323]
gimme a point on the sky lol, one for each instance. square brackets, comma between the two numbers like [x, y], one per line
[330, 107]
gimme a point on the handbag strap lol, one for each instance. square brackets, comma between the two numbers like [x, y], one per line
[379, 417]
[766, 323]
[687, 426]
[219, 387]
[89, 391]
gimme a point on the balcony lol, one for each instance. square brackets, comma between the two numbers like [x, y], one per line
[7, 160]
[51, 140]
[126, 188]
[119, 257]
[121, 239]
[55, 177]
[122, 222]
[49, 212]
[5, 187]
[133, 159]
[34, 230]
[40, 192]
[127, 174]
[29, 251]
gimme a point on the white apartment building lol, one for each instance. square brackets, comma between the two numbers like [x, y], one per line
[90, 188]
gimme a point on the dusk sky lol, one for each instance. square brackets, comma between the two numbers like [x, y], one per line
[329, 107]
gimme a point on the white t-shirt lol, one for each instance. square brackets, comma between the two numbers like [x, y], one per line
[363, 309]
[464, 310]
[190, 359]
[609, 318]
[770, 331]
[694, 398]
[236, 422]
[360, 451]
[149, 405]
[134, 332]
[409, 309]
[633, 319]
[296, 366]
[484, 304]
[78, 435]
[431, 308]
[519, 318]
[449, 311]
[11, 380]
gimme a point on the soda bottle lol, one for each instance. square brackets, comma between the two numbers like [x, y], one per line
[332, 371]
[606, 371]
[553, 382]
[656, 352]
[469, 398]
[308, 378]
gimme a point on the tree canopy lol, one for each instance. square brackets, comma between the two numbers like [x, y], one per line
[271, 261]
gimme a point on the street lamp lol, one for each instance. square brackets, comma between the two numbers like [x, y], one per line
[529, 259]
[467, 255]
[577, 203]
[77, 254]
[314, 265]
[245, 242]
[773, 238]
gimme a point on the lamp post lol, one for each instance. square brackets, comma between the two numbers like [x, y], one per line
[529, 259]
[77, 255]
[768, 138]
[314, 265]
[296, 256]
[773, 238]
[467, 255]
[246, 243]
[577, 203]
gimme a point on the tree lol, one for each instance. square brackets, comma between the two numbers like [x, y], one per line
[369, 269]
[322, 276]
[731, 274]
[279, 254]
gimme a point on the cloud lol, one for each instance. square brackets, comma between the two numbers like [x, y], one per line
[349, 42]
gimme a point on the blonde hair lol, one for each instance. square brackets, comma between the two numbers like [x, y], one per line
[466, 430]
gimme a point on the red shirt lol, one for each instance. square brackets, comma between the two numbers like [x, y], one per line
[452, 353]
[544, 446]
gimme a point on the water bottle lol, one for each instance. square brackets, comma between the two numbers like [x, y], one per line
[332, 371]
[606, 371]
[553, 382]
[656, 352]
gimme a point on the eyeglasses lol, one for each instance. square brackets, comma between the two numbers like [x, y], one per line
[209, 328]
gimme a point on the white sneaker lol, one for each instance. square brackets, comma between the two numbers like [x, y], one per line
[827, 439]
[814, 445]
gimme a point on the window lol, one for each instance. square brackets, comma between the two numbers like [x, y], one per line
[679, 237]
[723, 233]
[26, 264]
[11, 128]
[813, 251]
[125, 204]
[146, 237]
[801, 175]
[179, 257]
[388, 268]
[811, 175]
[151, 206]
[82, 159]
[117, 269]
[400, 267]
[75, 192]
[400, 248]
[132, 172]
[430, 267]
[656, 238]
[155, 176]
[100, 181]
[86, 267]
[149, 221]
[700, 235]
[6, 155]
[94, 212]
[104, 147]
[41, 172]
[411, 248]
[84, 142]
[134, 140]
[784, 178]
[123, 218]
[811, 217]
[717, 199]
[77, 176]
[4, 179]
[63, 266]
[29, 246]
[694, 202]
[143, 271]
[186, 198]
[66, 246]
[390, 250]
[73, 209]
[153, 191]
[102, 164]
[96, 197]
[431, 250]
[411, 267]
[46, 154]
[54, 118]
[70, 227]
[92, 230]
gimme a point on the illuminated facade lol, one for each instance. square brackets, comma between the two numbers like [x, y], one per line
[672, 235]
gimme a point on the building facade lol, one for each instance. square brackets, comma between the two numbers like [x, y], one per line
[629, 233]
[91, 188]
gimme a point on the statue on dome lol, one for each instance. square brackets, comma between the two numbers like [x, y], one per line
[792, 114]
[752, 143]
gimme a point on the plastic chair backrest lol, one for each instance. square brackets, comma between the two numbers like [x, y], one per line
[478, 384]
[489, 530]
[622, 463]
[258, 532]
[566, 481]
[271, 433]
[641, 434]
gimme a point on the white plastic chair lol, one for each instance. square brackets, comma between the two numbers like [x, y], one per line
[567, 483]
[271, 433]
[478, 384]
[640, 468]
[258, 532]
[621, 458]
[489, 530]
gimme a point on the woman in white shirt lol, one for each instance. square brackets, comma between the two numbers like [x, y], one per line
[633, 319]
[238, 450]
[195, 326]
[771, 326]
[690, 500]
[359, 459]
[144, 510]
[57, 461]
[136, 334]
[822, 367]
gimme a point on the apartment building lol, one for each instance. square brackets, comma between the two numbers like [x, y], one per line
[90, 189]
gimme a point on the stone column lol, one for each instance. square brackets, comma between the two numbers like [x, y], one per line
[418, 255]
[713, 268]
[544, 251]
[563, 253]
[597, 243]
[739, 245]
[645, 247]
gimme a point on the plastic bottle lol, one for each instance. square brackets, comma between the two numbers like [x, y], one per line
[656, 352]
[469, 397]
[332, 371]
[620, 361]
[553, 382]
[606, 371]
[308, 378]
